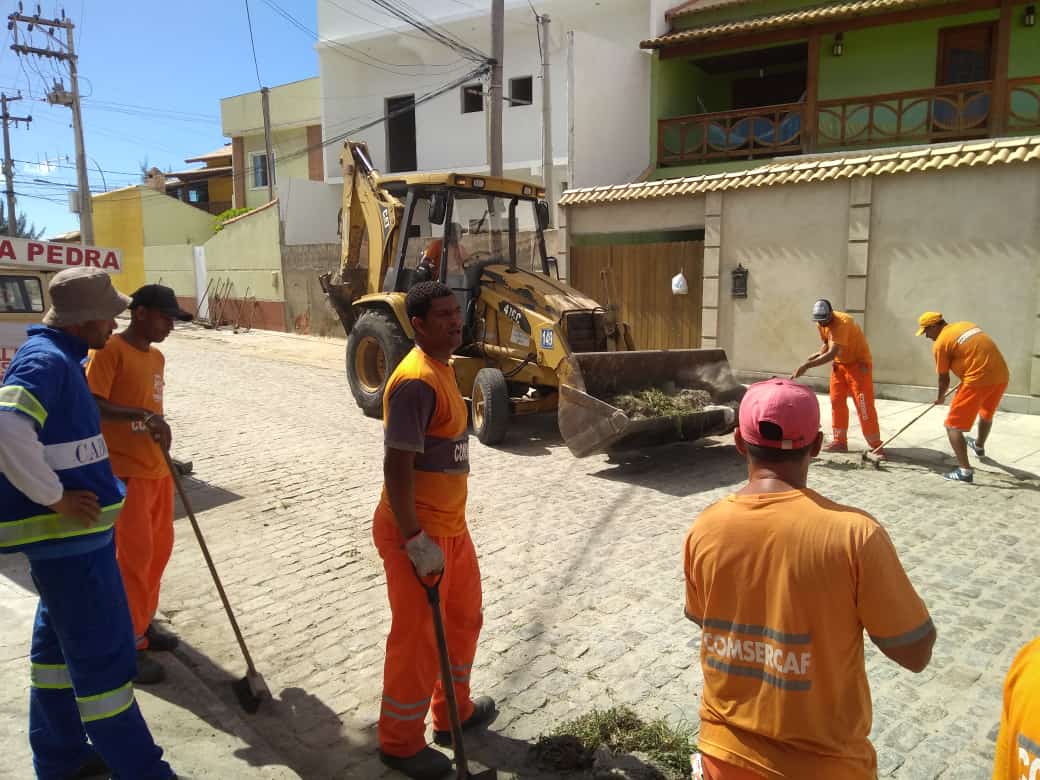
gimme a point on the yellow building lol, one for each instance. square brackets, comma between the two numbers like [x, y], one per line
[207, 188]
[295, 111]
[145, 223]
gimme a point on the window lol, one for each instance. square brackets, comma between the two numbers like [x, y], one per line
[259, 170]
[966, 54]
[20, 295]
[400, 134]
[521, 91]
[472, 98]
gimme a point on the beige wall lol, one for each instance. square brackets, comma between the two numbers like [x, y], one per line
[168, 221]
[976, 256]
[298, 103]
[963, 241]
[172, 263]
[247, 252]
[289, 162]
[792, 240]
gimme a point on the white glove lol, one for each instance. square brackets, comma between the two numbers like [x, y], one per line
[424, 553]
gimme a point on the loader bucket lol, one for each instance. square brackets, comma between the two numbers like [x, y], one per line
[589, 380]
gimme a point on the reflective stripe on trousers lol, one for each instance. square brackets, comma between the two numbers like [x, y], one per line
[105, 705]
[50, 676]
[54, 526]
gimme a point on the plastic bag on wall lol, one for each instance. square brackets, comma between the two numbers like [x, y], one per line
[679, 285]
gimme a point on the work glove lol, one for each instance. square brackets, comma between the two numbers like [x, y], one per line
[425, 554]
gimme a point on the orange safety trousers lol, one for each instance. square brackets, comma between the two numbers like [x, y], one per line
[144, 542]
[856, 380]
[411, 672]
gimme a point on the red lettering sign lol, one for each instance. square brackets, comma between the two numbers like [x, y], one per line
[111, 261]
[73, 256]
[91, 257]
[6, 250]
[54, 254]
[35, 249]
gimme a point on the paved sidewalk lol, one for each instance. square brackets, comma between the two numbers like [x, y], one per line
[201, 735]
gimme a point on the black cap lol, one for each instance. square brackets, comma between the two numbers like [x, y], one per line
[161, 298]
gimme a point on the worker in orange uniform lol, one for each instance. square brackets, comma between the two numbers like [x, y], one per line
[965, 350]
[783, 583]
[457, 255]
[419, 530]
[1018, 743]
[127, 380]
[851, 374]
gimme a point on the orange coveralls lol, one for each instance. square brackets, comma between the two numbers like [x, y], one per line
[424, 413]
[851, 374]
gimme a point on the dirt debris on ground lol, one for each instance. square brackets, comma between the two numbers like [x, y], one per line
[661, 402]
[617, 743]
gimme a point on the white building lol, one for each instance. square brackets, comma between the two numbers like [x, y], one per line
[372, 66]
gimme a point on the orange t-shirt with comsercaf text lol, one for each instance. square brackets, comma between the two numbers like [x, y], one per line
[127, 376]
[1018, 743]
[964, 349]
[846, 332]
[424, 413]
[783, 585]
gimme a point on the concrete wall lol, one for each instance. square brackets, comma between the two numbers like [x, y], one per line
[962, 241]
[976, 257]
[306, 307]
[168, 221]
[607, 142]
[296, 104]
[118, 223]
[246, 251]
[309, 211]
[793, 241]
[173, 264]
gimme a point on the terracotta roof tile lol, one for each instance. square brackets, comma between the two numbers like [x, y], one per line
[842, 166]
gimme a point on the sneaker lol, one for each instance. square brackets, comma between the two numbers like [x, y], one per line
[960, 475]
[980, 451]
[483, 713]
[159, 640]
[427, 764]
[837, 446]
[94, 767]
[149, 671]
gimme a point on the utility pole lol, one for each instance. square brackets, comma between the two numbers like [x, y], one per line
[547, 145]
[498, 18]
[59, 96]
[265, 101]
[12, 216]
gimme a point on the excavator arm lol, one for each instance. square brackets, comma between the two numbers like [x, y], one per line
[369, 212]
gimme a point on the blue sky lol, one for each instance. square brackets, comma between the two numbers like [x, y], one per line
[152, 76]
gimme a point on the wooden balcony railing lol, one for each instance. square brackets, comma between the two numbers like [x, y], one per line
[752, 132]
[918, 116]
[1023, 104]
[947, 113]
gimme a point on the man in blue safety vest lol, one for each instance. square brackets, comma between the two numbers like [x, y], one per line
[58, 504]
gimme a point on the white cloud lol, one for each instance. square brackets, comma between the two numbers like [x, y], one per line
[44, 168]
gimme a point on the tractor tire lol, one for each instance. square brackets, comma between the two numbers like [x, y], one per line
[490, 406]
[375, 346]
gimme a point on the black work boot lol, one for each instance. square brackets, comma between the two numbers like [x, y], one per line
[484, 713]
[149, 671]
[427, 764]
[160, 640]
[93, 767]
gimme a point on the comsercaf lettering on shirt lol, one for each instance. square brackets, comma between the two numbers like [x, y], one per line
[448, 456]
[1029, 758]
[782, 660]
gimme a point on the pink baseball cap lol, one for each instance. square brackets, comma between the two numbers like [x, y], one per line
[779, 413]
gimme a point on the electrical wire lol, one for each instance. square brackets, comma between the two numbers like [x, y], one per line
[252, 43]
[413, 18]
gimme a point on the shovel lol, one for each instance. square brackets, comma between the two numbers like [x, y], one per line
[433, 595]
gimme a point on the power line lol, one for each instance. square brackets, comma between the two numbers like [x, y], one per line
[431, 29]
[249, 18]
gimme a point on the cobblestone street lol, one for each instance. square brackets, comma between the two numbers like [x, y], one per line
[581, 564]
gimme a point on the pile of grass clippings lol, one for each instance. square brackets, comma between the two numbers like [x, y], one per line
[655, 402]
[572, 746]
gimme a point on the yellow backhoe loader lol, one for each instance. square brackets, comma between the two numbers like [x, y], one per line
[530, 342]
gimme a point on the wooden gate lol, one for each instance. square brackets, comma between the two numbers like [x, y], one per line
[640, 284]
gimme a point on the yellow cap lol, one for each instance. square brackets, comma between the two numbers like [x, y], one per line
[928, 319]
